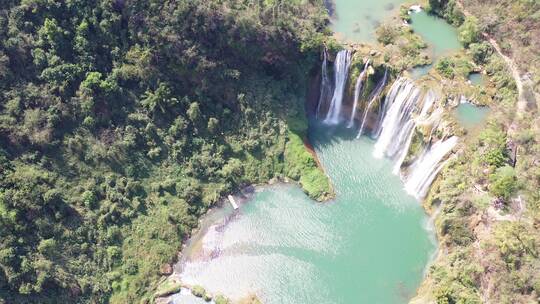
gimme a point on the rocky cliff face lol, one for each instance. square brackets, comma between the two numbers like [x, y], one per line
[372, 77]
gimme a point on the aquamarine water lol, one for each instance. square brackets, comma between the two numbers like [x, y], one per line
[476, 79]
[420, 71]
[357, 20]
[470, 116]
[440, 36]
[369, 245]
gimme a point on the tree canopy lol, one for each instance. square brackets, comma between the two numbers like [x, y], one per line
[122, 122]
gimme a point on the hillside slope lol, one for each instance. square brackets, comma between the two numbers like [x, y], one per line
[122, 122]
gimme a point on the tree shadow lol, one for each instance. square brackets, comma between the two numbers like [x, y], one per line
[321, 134]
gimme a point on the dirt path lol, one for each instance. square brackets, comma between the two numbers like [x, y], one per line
[521, 105]
[522, 101]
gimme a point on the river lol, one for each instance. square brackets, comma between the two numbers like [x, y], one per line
[371, 244]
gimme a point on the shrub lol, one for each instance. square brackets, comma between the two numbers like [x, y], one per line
[469, 31]
[455, 66]
[221, 300]
[503, 182]
[480, 52]
[198, 291]
[386, 34]
[494, 157]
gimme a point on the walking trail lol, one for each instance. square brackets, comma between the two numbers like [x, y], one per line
[512, 66]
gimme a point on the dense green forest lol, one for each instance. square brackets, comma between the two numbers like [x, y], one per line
[123, 121]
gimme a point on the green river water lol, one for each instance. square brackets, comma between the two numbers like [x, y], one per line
[477, 79]
[356, 20]
[440, 36]
[370, 245]
[470, 116]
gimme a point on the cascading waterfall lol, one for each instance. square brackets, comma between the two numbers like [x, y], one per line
[341, 71]
[424, 170]
[397, 124]
[397, 130]
[408, 130]
[325, 83]
[429, 100]
[376, 93]
[357, 92]
[405, 139]
[390, 97]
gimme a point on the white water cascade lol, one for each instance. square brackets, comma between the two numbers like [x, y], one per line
[357, 92]
[325, 83]
[390, 97]
[424, 170]
[423, 118]
[408, 131]
[341, 71]
[376, 93]
[397, 123]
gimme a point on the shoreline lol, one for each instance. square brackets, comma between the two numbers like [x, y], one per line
[206, 221]
[244, 196]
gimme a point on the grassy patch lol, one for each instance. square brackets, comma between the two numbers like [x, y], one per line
[167, 289]
[301, 166]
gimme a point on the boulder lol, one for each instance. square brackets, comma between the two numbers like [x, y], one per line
[166, 269]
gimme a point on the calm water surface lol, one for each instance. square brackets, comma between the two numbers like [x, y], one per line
[370, 245]
[438, 34]
[470, 116]
[357, 20]
[477, 79]
[419, 71]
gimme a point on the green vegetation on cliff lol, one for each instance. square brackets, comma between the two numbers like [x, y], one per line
[488, 196]
[122, 122]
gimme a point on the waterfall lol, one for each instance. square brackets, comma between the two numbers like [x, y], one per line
[429, 100]
[424, 170]
[376, 93]
[401, 114]
[357, 92]
[396, 124]
[341, 71]
[325, 83]
[407, 133]
[390, 97]
[405, 139]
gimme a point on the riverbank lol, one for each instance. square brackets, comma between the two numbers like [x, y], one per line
[300, 162]
[194, 248]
